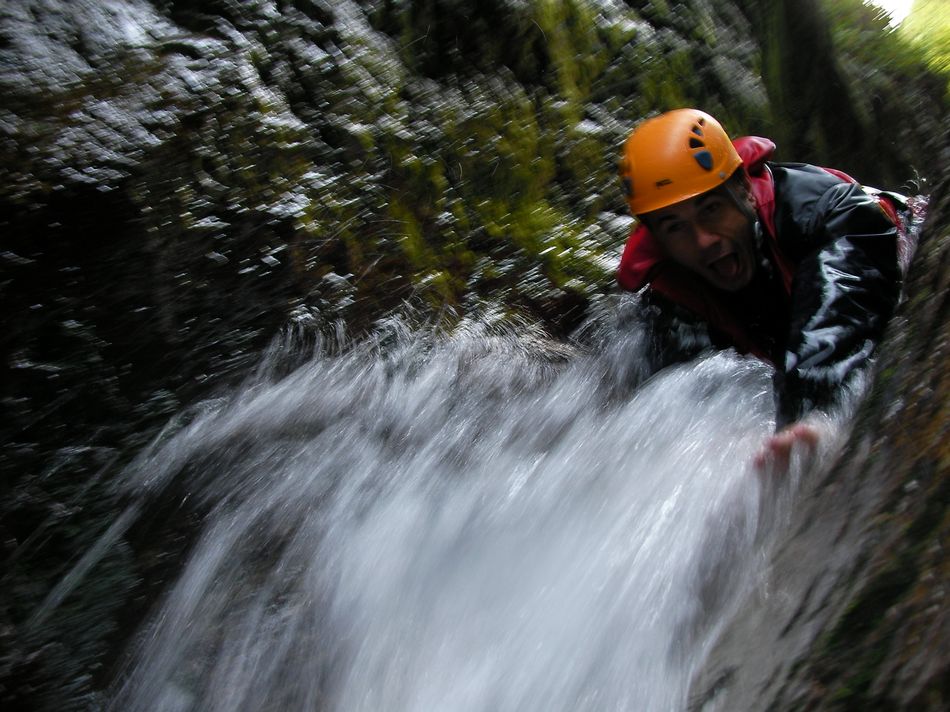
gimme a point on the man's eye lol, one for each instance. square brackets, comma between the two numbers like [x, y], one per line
[712, 207]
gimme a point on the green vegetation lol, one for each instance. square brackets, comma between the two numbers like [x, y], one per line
[927, 29]
[895, 95]
[487, 168]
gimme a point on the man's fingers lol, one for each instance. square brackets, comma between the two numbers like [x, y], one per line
[777, 449]
[806, 434]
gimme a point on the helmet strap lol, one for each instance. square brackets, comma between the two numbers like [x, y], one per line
[743, 204]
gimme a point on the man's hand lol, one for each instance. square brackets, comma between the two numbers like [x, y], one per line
[778, 449]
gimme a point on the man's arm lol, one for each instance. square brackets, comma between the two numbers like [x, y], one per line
[843, 294]
[676, 334]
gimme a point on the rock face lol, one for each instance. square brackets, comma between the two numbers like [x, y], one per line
[181, 180]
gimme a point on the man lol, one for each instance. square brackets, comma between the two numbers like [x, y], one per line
[795, 264]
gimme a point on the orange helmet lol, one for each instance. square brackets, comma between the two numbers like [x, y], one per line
[673, 157]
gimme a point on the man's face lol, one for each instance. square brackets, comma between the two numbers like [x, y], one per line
[710, 236]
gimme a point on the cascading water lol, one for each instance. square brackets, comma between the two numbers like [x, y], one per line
[480, 521]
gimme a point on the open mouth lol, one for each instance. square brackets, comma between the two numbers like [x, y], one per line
[726, 267]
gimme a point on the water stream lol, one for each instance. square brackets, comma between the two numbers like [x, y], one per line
[472, 522]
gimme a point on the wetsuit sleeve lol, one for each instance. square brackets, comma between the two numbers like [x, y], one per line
[844, 291]
[675, 334]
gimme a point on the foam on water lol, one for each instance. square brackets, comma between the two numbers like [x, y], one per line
[464, 523]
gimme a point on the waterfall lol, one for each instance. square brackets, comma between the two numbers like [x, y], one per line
[474, 521]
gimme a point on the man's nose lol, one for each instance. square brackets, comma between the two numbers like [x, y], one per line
[704, 237]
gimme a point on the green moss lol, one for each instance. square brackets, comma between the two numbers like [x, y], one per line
[920, 530]
[865, 612]
[661, 10]
[574, 48]
[671, 83]
[704, 31]
[411, 241]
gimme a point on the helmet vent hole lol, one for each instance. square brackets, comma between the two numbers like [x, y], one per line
[704, 159]
[695, 143]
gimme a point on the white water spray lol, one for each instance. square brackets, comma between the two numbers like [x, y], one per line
[462, 524]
